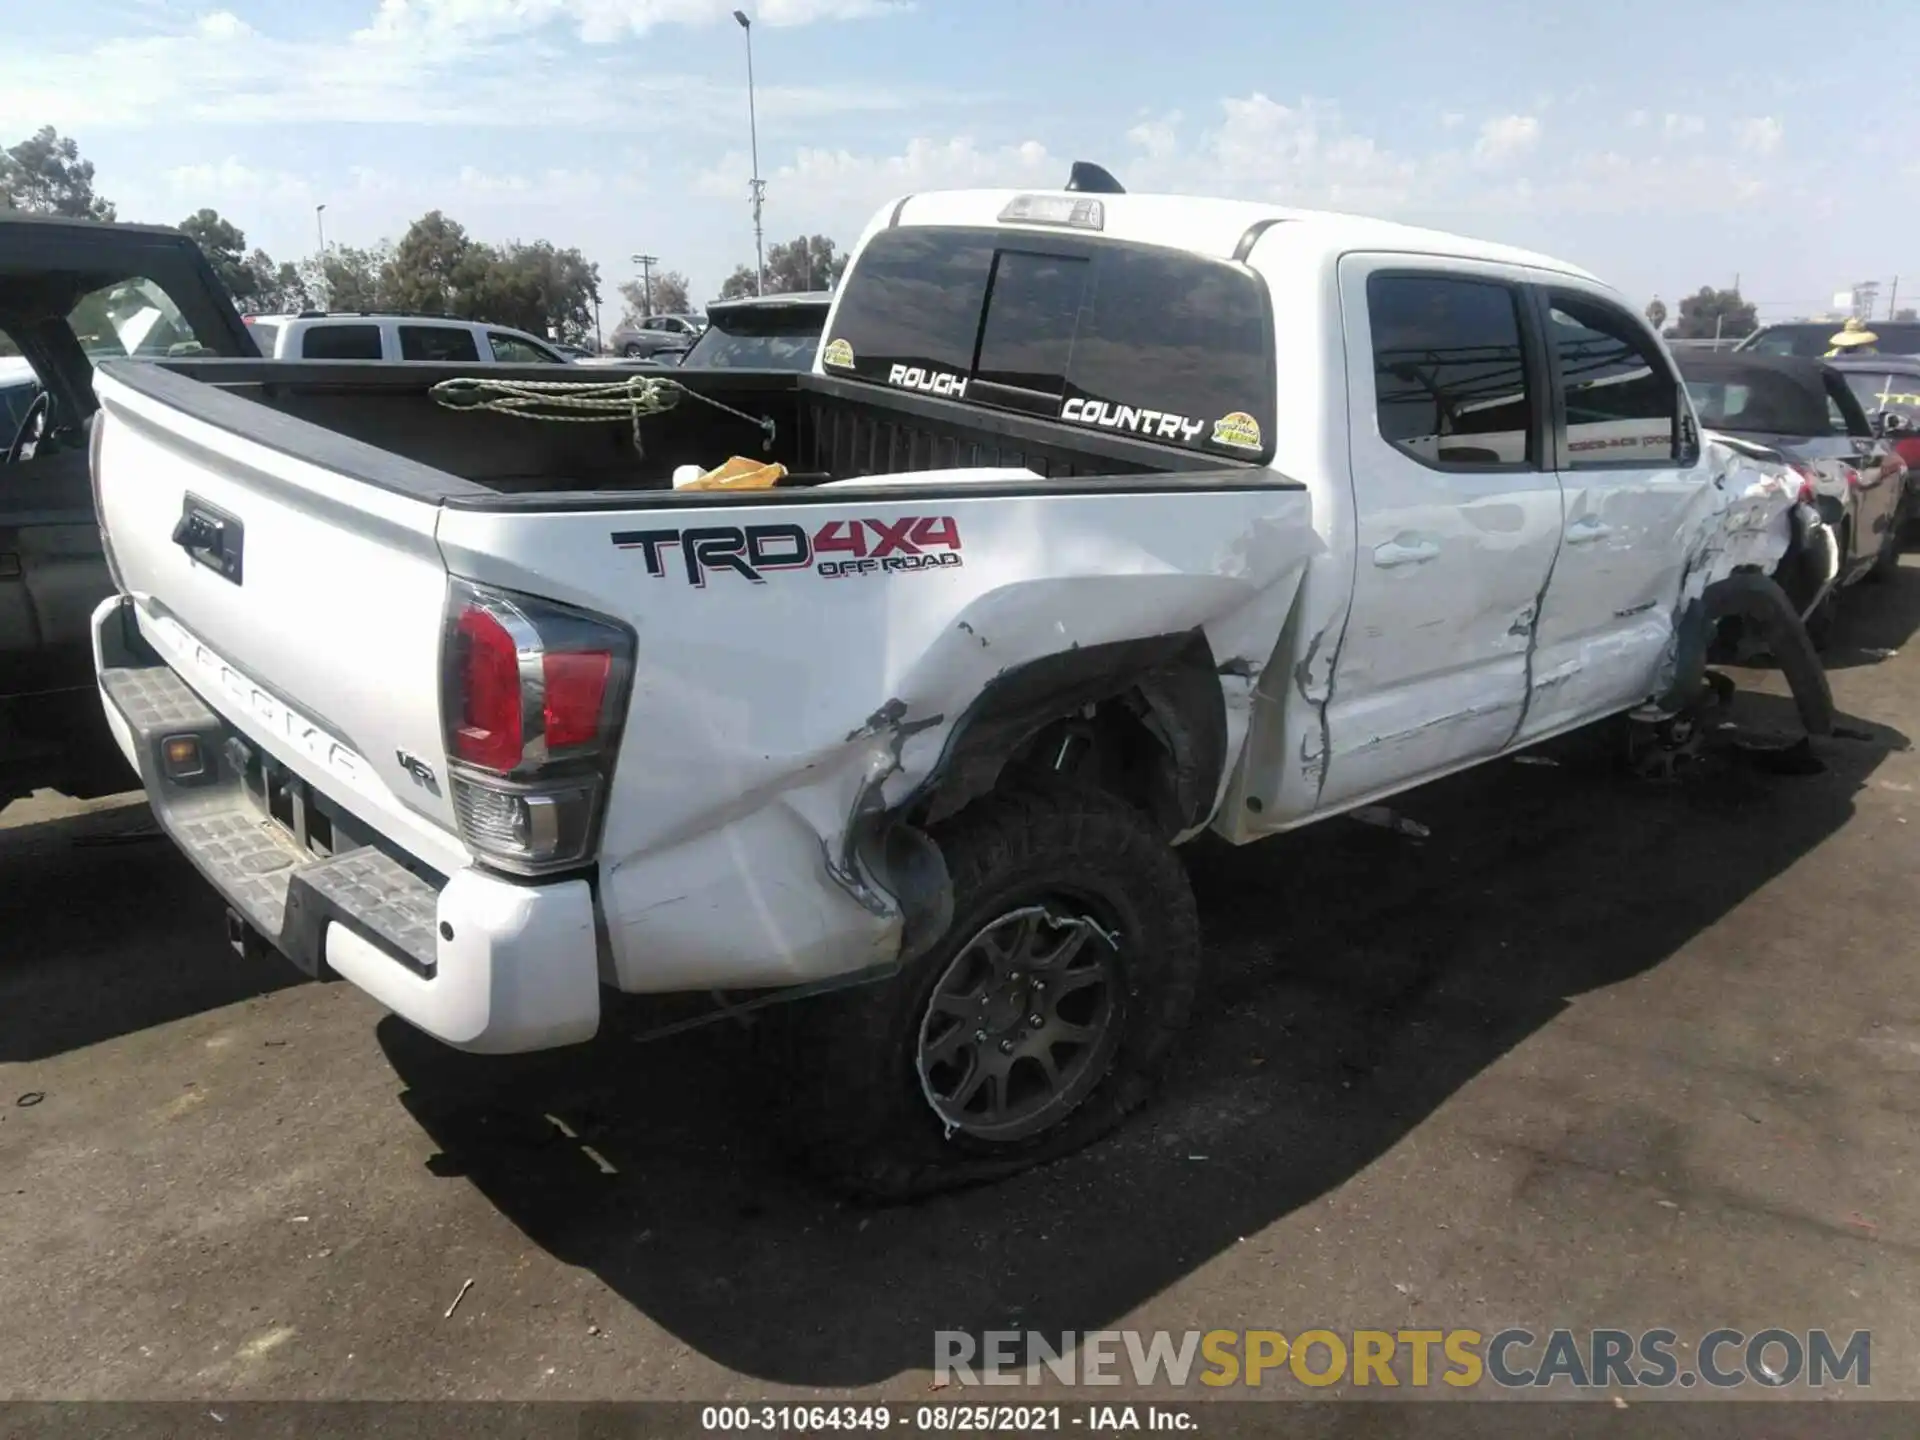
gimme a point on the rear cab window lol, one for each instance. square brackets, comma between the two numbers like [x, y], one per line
[341, 342]
[1105, 335]
[437, 342]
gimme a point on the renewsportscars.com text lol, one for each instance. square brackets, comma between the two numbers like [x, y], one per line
[1513, 1358]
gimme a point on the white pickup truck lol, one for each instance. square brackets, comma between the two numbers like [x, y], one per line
[1109, 520]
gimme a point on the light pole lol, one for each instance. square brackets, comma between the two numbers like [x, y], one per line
[756, 188]
[646, 264]
[320, 227]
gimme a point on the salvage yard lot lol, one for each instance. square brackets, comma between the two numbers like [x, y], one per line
[1594, 1053]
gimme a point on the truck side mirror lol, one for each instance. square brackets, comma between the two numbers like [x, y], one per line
[1891, 422]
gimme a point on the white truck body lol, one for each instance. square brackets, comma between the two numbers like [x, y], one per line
[1318, 617]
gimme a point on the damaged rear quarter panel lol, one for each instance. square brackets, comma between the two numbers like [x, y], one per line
[762, 708]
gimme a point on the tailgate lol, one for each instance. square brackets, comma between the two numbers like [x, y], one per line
[304, 604]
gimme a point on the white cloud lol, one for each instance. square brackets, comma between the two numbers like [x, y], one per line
[1760, 135]
[838, 191]
[1158, 138]
[1506, 138]
[596, 22]
[421, 62]
[1683, 127]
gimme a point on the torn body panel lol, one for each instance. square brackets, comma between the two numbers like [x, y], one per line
[1735, 546]
[781, 726]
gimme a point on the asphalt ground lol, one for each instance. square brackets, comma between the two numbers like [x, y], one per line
[1594, 1052]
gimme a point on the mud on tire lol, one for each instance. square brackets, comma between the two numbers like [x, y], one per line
[1045, 871]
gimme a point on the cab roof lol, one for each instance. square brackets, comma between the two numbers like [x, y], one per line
[1217, 228]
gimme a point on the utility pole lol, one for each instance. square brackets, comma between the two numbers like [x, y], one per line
[646, 264]
[320, 226]
[1893, 298]
[756, 188]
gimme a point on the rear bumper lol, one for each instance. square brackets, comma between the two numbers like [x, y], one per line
[479, 962]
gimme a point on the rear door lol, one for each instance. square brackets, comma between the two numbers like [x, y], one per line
[1457, 519]
[290, 576]
[1632, 475]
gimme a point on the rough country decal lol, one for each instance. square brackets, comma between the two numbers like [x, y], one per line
[933, 382]
[838, 548]
[838, 354]
[1157, 424]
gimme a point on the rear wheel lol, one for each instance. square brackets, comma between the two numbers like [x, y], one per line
[1040, 1020]
[631, 350]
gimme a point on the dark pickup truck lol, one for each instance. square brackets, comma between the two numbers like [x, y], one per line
[73, 292]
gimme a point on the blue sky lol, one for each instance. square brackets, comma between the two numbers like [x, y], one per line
[1663, 145]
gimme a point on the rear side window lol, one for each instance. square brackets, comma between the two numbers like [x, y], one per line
[437, 342]
[1622, 402]
[513, 350]
[1450, 378]
[1128, 339]
[341, 342]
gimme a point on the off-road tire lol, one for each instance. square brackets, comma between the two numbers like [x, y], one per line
[851, 1096]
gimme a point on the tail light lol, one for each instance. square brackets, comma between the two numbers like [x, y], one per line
[532, 699]
[96, 430]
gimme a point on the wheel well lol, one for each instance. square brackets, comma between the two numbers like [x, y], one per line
[1143, 719]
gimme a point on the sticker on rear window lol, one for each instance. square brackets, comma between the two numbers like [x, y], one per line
[838, 354]
[931, 382]
[1134, 419]
[1240, 430]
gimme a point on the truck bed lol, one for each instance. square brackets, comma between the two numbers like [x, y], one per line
[378, 423]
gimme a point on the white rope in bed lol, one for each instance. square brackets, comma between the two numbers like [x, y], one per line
[581, 402]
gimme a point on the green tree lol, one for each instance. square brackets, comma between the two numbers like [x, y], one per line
[429, 265]
[278, 289]
[740, 284]
[348, 278]
[671, 296]
[536, 287]
[807, 262]
[1656, 312]
[225, 246]
[1713, 312]
[45, 175]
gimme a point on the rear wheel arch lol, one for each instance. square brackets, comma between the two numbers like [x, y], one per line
[1143, 718]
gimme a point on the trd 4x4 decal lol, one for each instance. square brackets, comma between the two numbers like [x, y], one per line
[838, 548]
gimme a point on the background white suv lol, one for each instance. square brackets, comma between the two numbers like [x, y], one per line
[396, 337]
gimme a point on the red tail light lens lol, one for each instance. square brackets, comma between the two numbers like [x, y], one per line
[533, 699]
[576, 686]
[486, 670]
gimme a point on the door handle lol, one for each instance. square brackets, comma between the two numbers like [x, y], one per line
[1585, 532]
[1404, 552]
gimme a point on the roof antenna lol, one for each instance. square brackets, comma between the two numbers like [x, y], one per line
[1093, 179]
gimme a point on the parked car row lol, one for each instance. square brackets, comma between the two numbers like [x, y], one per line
[1807, 415]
